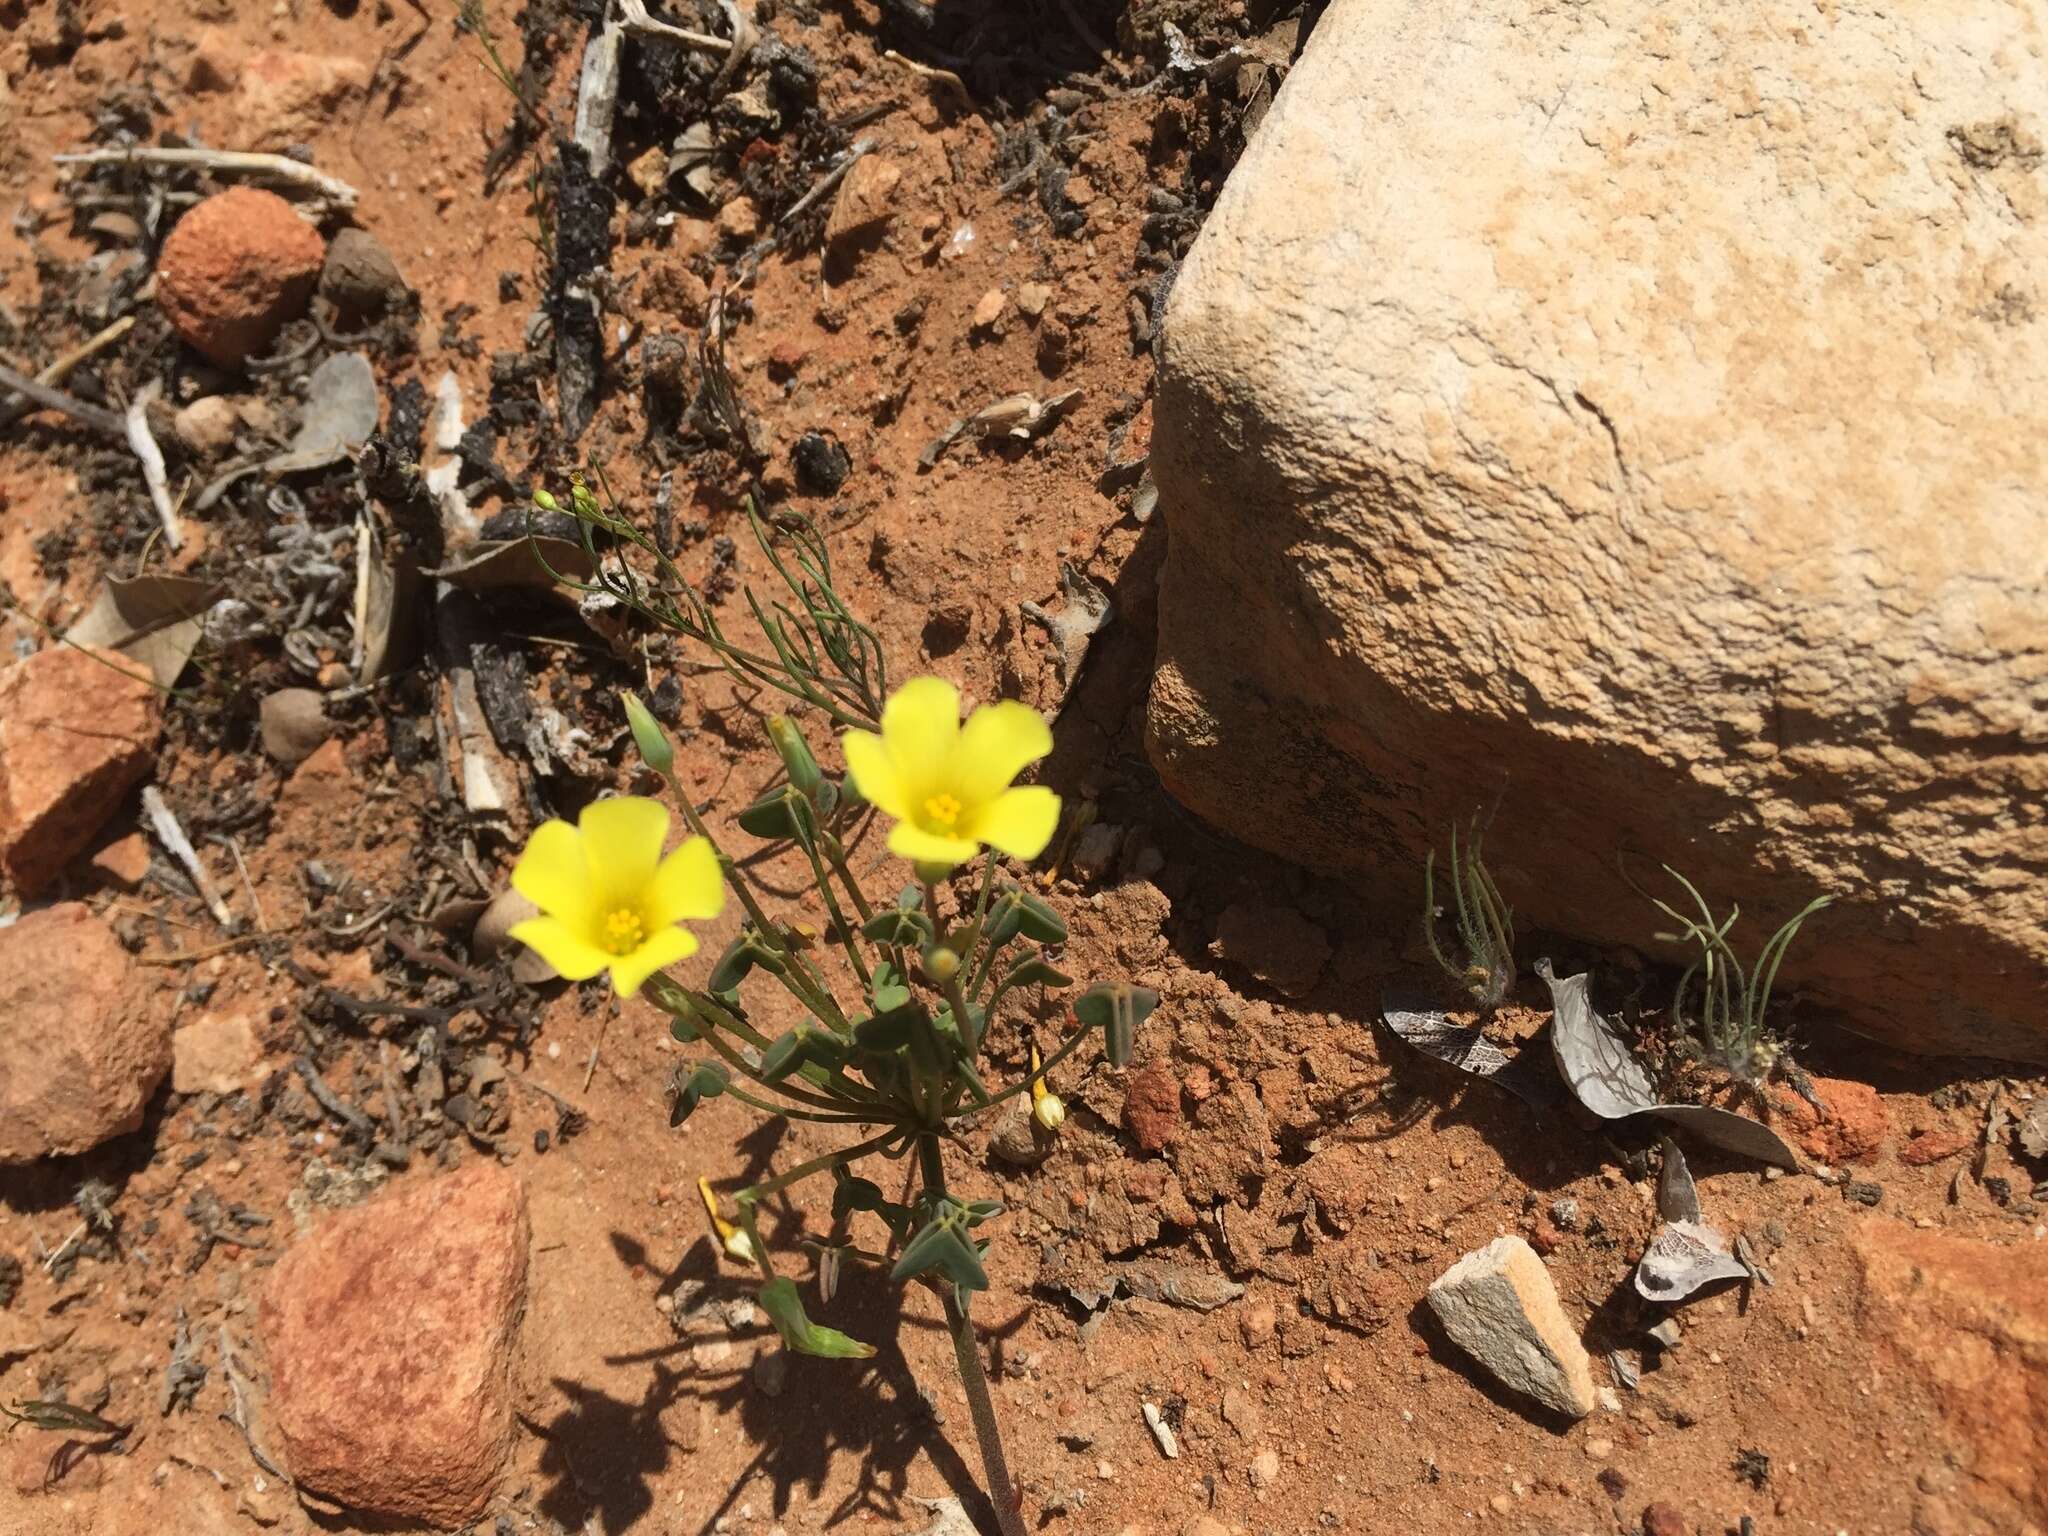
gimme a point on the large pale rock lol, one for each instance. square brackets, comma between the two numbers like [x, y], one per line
[1965, 1324]
[1634, 415]
[81, 1050]
[1499, 1305]
[390, 1332]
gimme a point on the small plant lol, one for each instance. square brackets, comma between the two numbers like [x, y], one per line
[1720, 1011]
[1486, 924]
[899, 997]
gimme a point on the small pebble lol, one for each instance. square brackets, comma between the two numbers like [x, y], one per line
[1599, 1448]
[1265, 1469]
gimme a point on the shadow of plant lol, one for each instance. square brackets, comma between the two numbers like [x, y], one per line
[606, 1457]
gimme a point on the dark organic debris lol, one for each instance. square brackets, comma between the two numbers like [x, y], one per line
[821, 464]
[1686, 1253]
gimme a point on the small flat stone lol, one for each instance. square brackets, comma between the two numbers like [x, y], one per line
[1152, 1105]
[390, 1332]
[216, 1053]
[863, 207]
[1498, 1305]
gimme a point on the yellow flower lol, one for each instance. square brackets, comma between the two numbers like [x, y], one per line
[949, 787]
[608, 899]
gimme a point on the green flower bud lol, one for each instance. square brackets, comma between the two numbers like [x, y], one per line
[546, 502]
[654, 745]
[796, 756]
[941, 964]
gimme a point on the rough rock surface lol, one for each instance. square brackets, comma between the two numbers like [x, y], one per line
[81, 1050]
[1966, 1322]
[390, 1332]
[77, 731]
[234, 270]
[863, 207]
[1498, 1305]
[1637, 417]
[216, 1053]
[1152, 1105]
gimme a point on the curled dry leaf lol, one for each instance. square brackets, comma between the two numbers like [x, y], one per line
[1525, 1074]
[1599, 1065]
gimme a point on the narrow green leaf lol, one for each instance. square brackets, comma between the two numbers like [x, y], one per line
[785, 1310]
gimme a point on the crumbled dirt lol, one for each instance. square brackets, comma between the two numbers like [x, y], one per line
[1254, 1269]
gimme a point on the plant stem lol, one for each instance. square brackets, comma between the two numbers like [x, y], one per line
[995, 1466]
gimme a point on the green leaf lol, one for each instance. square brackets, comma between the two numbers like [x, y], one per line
[708, 1081]
[896, 926]
[1005, 918]
[888, 1032]
[889, 992]
[1117, 1009]
[740, 957]
[785, 1310]
[851, 800]
[1039, 921]
[1034, 972]
[943, 1246]
[785, 1054]
[773, 815]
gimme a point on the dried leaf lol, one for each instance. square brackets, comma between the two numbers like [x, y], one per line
[341, 413]
[1678, 1198]
[500, 565]
[1525, 1074]
[2034, 1129]
[1604, 1075]
[1086, 610]
[1685, 1256]
[1598, 1063]
[154, 620]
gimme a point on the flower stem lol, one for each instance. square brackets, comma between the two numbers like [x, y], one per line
[995, 1466]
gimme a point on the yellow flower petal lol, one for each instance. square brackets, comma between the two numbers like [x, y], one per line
[665, 946]
[998, 743]
[562, 946]
[622, 840]
[921, 726]
[909, 841]
[553, 874]
[874, 775]
[1018, 821]
[688, 883]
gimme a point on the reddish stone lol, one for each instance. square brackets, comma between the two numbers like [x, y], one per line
[284, 98]
[234, 270]
[1963, 1325]
[1152, 1105]
[1924, 1147]
[123, 863]
[77, 731]
[1663, 1520]
[1854, 1130]
[81, 1051]
[391, 1333]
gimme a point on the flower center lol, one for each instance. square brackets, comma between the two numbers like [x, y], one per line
[942, 811]
[623, 931]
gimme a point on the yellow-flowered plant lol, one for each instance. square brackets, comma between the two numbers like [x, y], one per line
[609, 900]
[900, 993]
[951, 789]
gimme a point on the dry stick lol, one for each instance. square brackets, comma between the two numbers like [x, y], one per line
[56, 400]
[173, 837]
[332, 190]
[633, 15]
[60, 370]
[153, 476]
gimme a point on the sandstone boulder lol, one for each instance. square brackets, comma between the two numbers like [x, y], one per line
[1636, 417]
[390, 1332]
[1964, 1323]
[81, 1050]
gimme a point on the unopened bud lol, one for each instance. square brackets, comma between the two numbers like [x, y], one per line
[941, 964]
[655, 747]
[795, 752]
[1049, 1110]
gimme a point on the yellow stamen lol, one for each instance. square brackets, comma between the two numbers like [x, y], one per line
[623, 932]
[942, 810]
